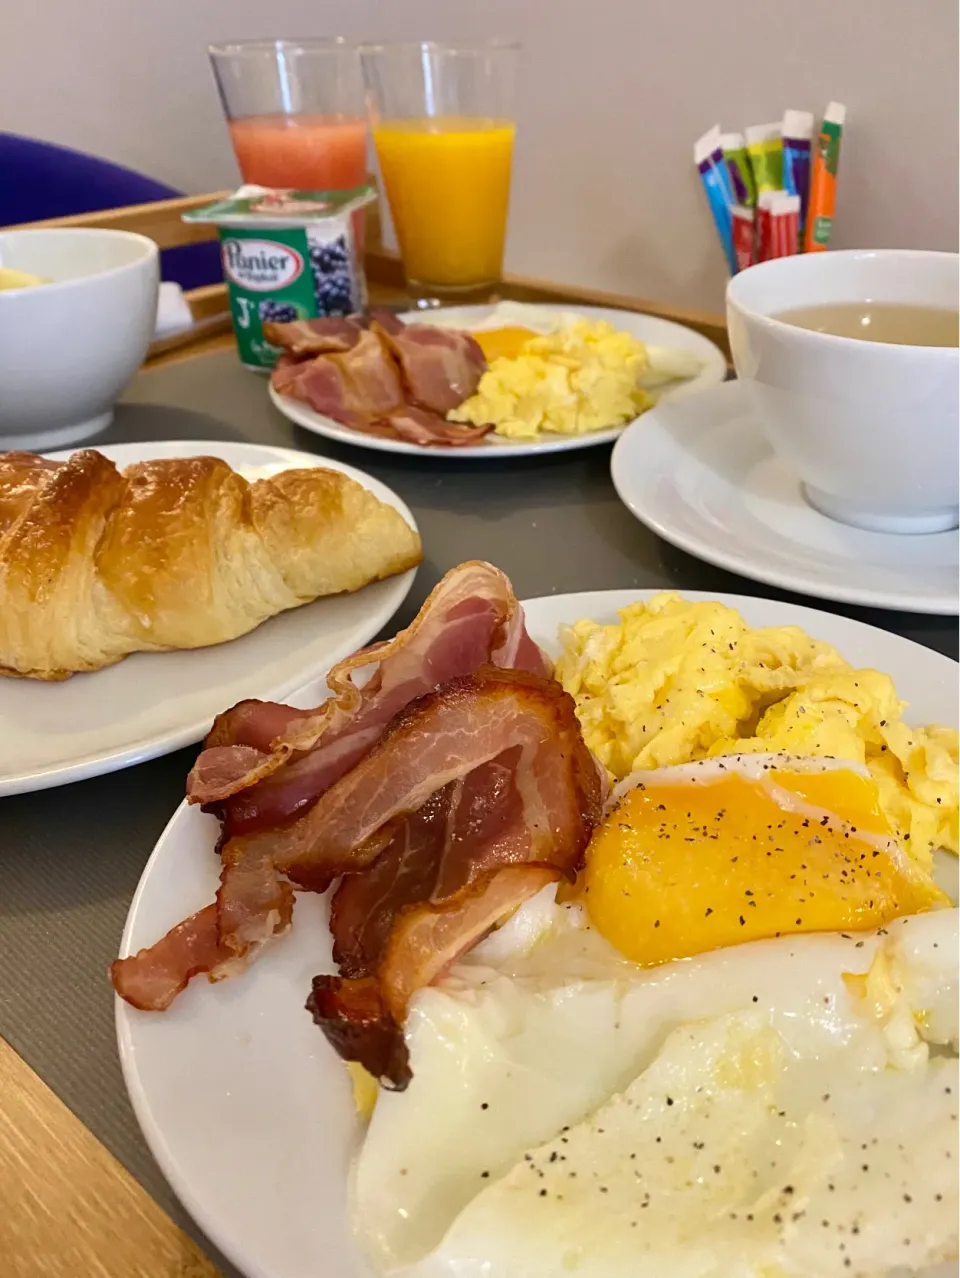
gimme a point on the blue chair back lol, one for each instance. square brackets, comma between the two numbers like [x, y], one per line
[40, 180]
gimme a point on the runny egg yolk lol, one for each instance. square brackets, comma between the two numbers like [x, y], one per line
[682, 866]
[503, 343]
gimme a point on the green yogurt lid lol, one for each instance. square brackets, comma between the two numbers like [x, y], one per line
[260, 206]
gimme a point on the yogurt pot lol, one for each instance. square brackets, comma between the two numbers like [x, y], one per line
[870, 428]
[287, 255]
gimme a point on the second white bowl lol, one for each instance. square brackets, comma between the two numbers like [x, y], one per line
[69, 347]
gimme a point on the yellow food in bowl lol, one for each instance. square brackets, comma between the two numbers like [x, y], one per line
[676, 681]
[10, 278]
[584, 377]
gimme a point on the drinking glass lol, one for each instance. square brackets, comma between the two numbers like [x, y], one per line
[443, 128]
[296, 112]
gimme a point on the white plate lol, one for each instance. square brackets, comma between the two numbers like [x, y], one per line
[244, 1105]
[155, 702]
[649, 329]
[702, 476]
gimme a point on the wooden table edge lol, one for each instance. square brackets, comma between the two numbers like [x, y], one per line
[67, 1206]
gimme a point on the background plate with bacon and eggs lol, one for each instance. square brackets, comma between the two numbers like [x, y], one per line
[679, 362]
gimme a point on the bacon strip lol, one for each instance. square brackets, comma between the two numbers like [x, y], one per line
[394, 380]
[441, 738]
[440, 367]
[253, 902]
[355, 385]
[152, 978]
[463, 831]
[469, 618]
[422, 426]
[362, 1018]
[314, 336]
[264, 763]
[497, 832]
[428, 938]
[356, 1022]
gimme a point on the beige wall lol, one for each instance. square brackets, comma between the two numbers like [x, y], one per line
[613, 95]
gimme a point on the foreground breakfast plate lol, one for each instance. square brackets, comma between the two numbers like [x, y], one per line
[701, 475]
[152, 703]
[649, 329]
[244, 1105]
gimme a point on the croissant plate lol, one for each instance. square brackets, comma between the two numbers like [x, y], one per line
[96, 563]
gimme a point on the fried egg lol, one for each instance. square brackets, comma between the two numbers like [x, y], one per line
[768, 1108]
[718, 1040]
[735, 849]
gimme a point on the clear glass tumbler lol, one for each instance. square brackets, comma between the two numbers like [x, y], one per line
[296, 112]
[443, 125]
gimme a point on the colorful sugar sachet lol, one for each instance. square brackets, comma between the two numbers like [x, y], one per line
[778, 225]
[765, 149]
[797, 133]
[739, 168]
[823, 181]
[712, 167]
[772, 188]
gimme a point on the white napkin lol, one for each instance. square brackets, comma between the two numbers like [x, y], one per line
[173, 312]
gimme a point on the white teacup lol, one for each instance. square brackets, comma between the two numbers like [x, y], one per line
[870, 428]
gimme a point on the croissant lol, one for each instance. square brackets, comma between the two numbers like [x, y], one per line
[96, 563]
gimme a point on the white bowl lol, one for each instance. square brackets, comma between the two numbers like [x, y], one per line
[68, 348]
[871, 428]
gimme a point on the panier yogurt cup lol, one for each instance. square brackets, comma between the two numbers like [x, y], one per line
[287, 255]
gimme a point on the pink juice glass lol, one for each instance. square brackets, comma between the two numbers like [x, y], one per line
[296, 112]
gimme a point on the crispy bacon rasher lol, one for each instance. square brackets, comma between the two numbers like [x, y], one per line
[383, 377]
[265, 763]
[506, 822]
[440, 800]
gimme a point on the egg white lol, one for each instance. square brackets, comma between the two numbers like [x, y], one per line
[539, 319]
[545, 1028]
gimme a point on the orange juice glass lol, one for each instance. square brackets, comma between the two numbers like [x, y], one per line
[443, 128]
[296, 112]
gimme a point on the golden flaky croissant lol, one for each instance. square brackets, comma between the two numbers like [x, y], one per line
[96, 563]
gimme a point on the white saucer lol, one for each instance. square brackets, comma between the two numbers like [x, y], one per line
[700, 474]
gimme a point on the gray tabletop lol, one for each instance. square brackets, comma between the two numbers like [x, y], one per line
[70, 858]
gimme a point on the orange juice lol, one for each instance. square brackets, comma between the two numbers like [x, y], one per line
[448, 182]
[301, 152]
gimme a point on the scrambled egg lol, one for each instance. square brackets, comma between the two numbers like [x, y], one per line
[678, 681]
[582, 378]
